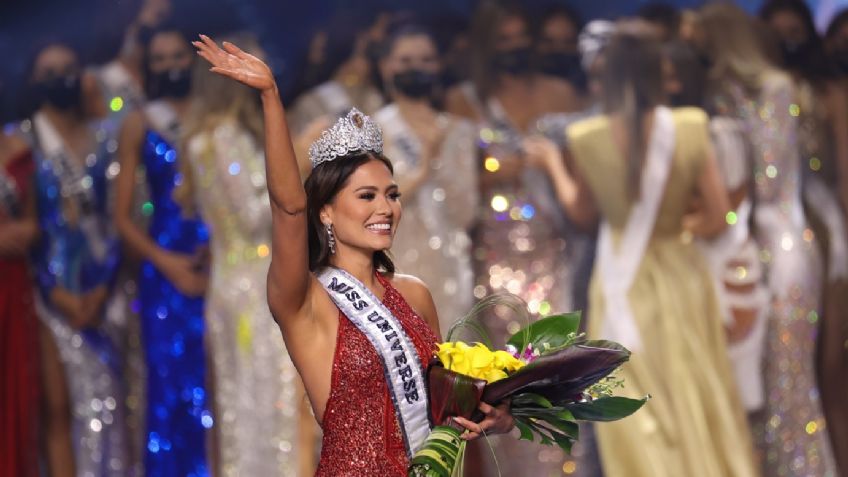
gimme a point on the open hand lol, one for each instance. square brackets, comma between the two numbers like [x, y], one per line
[498, 420]
[236, 64]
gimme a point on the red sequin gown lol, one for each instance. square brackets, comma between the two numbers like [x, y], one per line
[361, 432]
[19, 373]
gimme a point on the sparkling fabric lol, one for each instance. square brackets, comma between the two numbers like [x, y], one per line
[432, 242]
[518, 247]
[78, 251]
[361, 432]
[792, 430]
[257, 387]
[172, 325]
[20, 385]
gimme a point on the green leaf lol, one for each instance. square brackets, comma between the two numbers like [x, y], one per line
[546, 333]
[605, 409]
[526, 430]
[529, 399]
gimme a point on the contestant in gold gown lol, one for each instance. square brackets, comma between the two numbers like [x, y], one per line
[651, 289]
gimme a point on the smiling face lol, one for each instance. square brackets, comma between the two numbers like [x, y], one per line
[366, 211]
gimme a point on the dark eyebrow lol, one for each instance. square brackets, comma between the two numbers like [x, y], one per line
[375, 188]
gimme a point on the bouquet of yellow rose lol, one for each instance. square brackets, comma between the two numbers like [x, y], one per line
[551, 375]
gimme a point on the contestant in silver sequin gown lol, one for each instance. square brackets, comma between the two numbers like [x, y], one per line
[791, 431]
[257, 394]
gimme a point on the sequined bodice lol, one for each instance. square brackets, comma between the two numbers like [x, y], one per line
[79, 248]
[361, 432]
[168, 226]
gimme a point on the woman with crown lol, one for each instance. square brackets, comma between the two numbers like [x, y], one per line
[358, 333]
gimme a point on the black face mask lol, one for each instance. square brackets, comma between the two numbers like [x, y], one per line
[174, 83]
[63, 93]
[415, 84]
[514, 62]
[559, 64]
[794, 54]
[563, 65]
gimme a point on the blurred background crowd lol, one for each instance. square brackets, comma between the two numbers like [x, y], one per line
[135, 337]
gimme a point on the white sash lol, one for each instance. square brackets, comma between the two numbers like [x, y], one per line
[163, 117]
[73, 179]
[402, 367]
[618, 267]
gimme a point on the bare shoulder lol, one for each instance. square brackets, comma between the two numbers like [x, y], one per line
[416, 293]
[411, 287]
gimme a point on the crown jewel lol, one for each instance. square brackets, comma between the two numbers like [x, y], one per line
[355, 132]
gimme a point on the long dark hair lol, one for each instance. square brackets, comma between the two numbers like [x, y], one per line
[814, 66]
[487, 20]
[322, 186]
[633, 86]
[147, 73]
[30, 99]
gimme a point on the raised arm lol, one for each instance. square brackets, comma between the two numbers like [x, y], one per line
[288, 277]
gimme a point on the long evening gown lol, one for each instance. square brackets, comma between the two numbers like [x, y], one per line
[827, 220]
[361, 432]
[694, 423]
[433, 243]
[257, 387]
[20, 386]
[791, 430]
[519, 248]
[79, 251]
[172, 325]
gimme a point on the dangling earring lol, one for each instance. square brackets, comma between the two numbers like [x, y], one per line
[331, 239]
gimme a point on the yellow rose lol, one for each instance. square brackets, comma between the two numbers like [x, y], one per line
[477, 361]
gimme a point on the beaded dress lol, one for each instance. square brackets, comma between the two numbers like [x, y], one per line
[361, 432]
[79, 251]
[257, 387]
[172, 326]
[433, 243]
[519, 248]
[792, 430]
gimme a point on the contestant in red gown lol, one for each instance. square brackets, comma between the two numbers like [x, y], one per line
[19, 350]
[360, 418]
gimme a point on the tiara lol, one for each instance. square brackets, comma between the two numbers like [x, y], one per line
[355, 132]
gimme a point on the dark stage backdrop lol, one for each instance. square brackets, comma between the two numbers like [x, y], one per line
[284, 27]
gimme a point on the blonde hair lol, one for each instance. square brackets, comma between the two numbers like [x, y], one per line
[215, 99]
[734, 42]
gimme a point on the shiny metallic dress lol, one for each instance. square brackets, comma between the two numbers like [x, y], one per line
[258, 393]
[433, 242]
[79, 252]
[792, 430]
[178, 411]
[518, 247]
[361, 432]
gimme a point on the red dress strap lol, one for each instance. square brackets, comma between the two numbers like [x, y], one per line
[361, 431]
